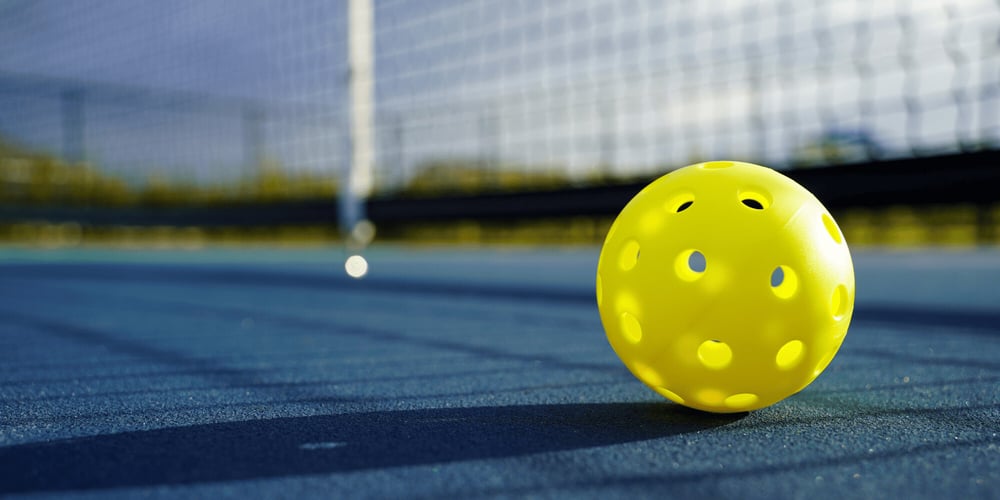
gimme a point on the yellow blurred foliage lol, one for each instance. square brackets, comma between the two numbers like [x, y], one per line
[37, 179]
[469, 177]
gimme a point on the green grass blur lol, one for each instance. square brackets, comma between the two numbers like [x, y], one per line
[36, 179]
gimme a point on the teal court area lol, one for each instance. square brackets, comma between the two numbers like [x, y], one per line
[465, 374]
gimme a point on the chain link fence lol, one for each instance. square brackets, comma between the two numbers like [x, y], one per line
[143, 136]
[602, 89]
[496, 94]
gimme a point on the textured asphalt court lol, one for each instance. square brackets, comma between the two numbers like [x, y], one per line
[462, 374]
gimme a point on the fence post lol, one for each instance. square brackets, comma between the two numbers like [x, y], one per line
[361, 75]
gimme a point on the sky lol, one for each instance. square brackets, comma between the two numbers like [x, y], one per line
[579, 87]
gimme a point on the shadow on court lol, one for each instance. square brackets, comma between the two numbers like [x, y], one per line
[335, 443]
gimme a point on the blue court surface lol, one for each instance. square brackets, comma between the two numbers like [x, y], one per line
[462, 374]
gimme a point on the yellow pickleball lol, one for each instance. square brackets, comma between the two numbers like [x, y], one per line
[725, 286]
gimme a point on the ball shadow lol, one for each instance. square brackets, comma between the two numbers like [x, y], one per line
[334, 443]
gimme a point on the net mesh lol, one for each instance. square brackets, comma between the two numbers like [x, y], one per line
[504, 94]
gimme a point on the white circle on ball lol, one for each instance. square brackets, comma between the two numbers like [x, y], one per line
[356, 266]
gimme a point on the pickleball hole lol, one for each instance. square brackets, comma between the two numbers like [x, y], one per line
[838, 302]
[710, 397]
[823, 363]
[715, 354]
[742, 400]
[690, 265]
[696, 262]
[717, 164]
[784, 282]
[671, 395]
[831, 228]
[647, 374]
[754, 200]
[679, 202]
[790, 355]
[629, 255]
[631, 329]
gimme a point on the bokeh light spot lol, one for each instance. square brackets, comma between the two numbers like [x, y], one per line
[356, 266]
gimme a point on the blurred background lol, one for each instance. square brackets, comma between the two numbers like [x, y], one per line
[186, 123]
